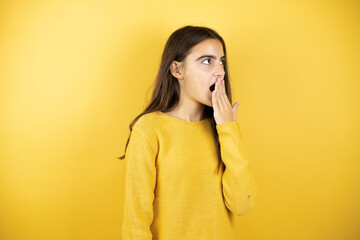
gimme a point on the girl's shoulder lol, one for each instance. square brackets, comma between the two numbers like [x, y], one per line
[149, 121]
[152, 116]
[149, 124]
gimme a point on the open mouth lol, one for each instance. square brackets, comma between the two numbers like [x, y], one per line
[212, 87]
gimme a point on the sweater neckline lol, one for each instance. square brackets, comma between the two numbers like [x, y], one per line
[184, 122]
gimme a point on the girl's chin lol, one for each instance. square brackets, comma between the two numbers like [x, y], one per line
[209, 103]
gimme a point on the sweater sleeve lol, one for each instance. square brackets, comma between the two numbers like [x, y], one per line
[239, 186]
[140, 180]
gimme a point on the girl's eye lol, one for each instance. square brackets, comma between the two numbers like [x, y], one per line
[222, 61]
[207, 59]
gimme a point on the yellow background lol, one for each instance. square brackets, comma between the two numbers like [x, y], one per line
[75, 73]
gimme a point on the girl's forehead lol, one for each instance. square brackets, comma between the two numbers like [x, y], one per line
[208, 46]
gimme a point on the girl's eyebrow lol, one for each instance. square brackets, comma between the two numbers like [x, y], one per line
[208, 56]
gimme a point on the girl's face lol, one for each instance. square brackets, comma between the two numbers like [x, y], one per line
[200, 69]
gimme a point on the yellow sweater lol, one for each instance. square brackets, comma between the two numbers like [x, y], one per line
[172, 189]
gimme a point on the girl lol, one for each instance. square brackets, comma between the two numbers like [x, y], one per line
[187, 173]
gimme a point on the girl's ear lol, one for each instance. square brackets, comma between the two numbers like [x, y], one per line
[175, 69]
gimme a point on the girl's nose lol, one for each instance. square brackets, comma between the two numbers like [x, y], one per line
[220, 71]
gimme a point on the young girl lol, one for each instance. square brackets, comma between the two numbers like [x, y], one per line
[187, 173]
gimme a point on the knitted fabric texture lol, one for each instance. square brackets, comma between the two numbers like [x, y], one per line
[172, 188]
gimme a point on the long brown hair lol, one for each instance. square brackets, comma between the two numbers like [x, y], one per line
[166, 93]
